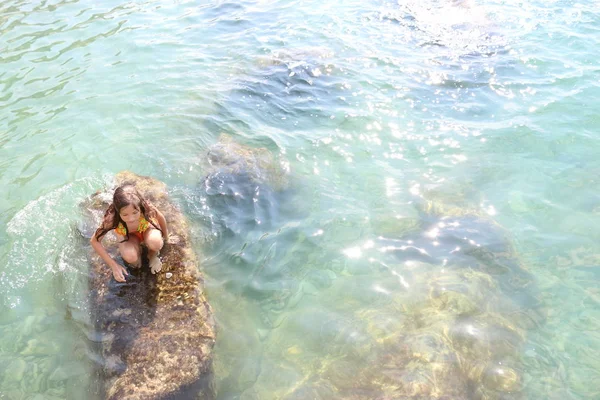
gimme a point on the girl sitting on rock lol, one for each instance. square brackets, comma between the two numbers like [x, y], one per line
[135, 221]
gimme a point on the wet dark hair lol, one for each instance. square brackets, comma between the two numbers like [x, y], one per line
[125, 195]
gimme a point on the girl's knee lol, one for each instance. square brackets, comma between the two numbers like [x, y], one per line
[155, 242]
[130, 250]
[130, 255]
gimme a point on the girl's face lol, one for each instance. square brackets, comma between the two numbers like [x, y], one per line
[130, 215]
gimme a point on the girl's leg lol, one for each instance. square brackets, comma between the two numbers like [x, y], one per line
[154, 242]
[131, 251]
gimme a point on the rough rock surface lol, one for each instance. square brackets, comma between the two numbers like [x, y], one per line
[227, 156]
[155, 334]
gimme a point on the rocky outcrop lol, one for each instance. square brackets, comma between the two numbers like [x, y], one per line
[444, 315]
[227, 156]
[155, 333]
[243, 187]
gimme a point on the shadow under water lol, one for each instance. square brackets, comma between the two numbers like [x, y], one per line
[119, 315]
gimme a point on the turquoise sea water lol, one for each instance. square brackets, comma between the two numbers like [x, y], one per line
[437, 230]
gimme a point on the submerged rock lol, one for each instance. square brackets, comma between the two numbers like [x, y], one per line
[155, 334]
[443, 314]
[228, 157]
[466, 309]
[242, 187]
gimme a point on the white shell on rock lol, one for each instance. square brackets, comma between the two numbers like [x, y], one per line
[168, 275]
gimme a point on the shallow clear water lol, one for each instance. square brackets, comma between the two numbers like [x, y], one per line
[439, 211]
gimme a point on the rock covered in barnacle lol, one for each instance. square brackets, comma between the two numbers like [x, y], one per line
[157, 333]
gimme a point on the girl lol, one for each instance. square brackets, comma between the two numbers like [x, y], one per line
[135, 222]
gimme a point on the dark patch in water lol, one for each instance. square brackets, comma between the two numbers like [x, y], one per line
[239, 204]
[466, 242]
[291, 95]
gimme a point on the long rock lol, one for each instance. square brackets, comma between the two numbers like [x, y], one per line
[155, 333]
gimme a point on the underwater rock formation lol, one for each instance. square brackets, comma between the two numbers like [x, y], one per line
[242, 186]
[230, 157]
[244, 196]
[444, 314]
[155, 333]
[466, 306]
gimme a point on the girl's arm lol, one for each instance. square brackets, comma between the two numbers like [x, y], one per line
[118, 270]
[162, 222]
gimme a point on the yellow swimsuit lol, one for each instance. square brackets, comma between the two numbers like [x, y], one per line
[139, 233]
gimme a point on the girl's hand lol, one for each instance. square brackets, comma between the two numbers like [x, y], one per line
[119, 272]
